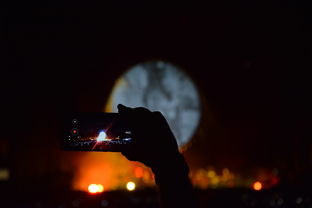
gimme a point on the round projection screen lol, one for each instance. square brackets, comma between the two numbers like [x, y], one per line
[160, 86]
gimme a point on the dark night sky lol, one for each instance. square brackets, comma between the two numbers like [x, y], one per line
[248, 60]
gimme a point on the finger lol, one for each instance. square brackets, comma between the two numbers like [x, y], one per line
[125, 113]
[123, 109]
[142, 110]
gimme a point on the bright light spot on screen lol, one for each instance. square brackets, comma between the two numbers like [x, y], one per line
[130, 186]
[95, 188]
[257, 186]
[101, 137]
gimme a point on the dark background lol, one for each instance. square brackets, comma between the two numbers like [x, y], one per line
[250, 62]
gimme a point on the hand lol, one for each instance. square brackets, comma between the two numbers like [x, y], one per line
[154, 144]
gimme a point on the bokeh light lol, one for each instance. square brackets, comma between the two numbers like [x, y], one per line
[130, 186]
[92, 188]
[100, 188]
[257, 186]
[95, 188]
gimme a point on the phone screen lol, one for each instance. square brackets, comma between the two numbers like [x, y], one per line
[96, 132]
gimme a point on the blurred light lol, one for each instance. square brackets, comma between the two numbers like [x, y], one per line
[130, 186]
[104, 203]
[275, 171]
[211, 173]
[95, 188]
[76, 203]
[161, 86]
[100, 188]
[299, 200]
[257, 186]
[280, 201]
[4, 174]
[74, 131]
[138, 172]
[215, 180]
[101, 137]
[226, 172]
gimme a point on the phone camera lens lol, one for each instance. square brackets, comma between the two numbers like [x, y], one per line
[75, 121]
[74, 131]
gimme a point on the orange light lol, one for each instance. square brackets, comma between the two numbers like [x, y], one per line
[257, 186]
[138, 172]
[95, 188]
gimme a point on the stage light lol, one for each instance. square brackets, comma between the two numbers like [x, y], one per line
[93, 188]
[101, 137]
[257, 186]
[130, 186]
[100, 188]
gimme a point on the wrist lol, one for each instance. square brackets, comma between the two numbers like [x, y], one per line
[172, 166]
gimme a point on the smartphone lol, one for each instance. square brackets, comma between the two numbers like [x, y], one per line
[105, 132]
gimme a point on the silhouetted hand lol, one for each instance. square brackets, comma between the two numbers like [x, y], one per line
[154, 142]
[155, 146]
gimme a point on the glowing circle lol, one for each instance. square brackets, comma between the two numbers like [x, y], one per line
[100, 188]
[130, 186]
[257, 186]
[93, 188]
[160, 86]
